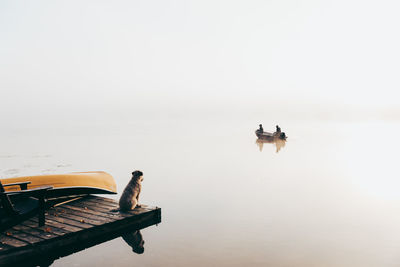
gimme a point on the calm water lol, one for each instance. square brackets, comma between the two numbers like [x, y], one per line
[329, 197]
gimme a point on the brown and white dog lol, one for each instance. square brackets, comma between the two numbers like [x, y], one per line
[130, 197]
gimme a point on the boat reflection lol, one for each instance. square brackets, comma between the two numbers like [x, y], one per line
[135, 240]
[279, 143]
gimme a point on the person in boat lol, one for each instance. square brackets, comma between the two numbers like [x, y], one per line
[278, 129]
[261, 130]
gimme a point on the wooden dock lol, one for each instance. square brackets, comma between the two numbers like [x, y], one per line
[69, 228]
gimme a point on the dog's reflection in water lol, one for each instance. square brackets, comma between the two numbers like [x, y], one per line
[135, 240]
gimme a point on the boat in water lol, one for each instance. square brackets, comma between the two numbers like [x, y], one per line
[270, 136]
[76, 183]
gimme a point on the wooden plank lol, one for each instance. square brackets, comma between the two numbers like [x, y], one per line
[52, 223]
[23, 236]
[46, 229]
[89, 216]
[113, 204]
[102, 202]
[12, 242]
[89, 206]
[111, 215]
[80, 218]
[106, 199]
[71, 223]
[102, 211]
[35, 232]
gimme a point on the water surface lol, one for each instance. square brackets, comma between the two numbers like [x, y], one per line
[328, 197]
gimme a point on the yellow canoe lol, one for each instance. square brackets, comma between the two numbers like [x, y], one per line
[76, 183]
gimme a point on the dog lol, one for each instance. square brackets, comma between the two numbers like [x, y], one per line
[130, 197]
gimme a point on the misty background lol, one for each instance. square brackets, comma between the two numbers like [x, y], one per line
[62, 62]
[177, 88]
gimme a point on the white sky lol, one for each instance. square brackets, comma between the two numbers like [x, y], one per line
[199, 55]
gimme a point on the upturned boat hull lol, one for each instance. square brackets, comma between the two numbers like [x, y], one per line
[77, 183]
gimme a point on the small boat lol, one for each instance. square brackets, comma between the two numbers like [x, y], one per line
[270, 136]
[76, 183]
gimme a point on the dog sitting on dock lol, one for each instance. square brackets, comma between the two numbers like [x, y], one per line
[130, 197]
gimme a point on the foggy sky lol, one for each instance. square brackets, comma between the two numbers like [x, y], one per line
[314, 57]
